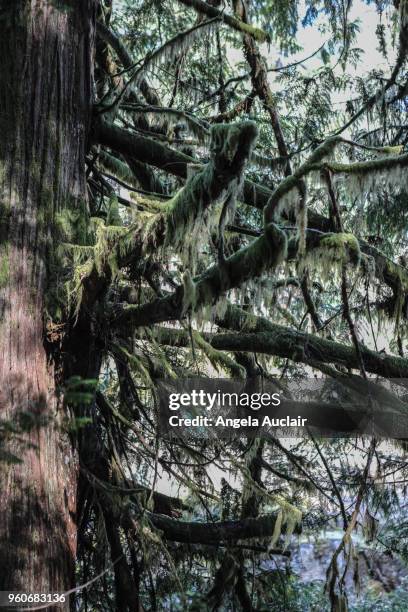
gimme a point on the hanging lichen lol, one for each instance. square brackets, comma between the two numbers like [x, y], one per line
[174, 47]
[218, 359]
[189, 293]
[117, 167]
[192, 213]
[72, 225]
[333, 251]
[289, 517]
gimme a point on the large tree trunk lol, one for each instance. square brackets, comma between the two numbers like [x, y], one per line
[45, 102]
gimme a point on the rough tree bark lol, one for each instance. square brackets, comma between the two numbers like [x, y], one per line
[45, 104]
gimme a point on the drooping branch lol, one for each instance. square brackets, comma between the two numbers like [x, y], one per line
[233, 22]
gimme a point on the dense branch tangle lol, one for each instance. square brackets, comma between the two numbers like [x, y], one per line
[185, 223]
[178, 223]
[185, 219]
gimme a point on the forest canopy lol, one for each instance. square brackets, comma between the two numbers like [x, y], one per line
[209, 189]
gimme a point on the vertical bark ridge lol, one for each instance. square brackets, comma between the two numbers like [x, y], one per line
[45, 96]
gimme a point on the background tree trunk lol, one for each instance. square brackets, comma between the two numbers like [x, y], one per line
[45, 102]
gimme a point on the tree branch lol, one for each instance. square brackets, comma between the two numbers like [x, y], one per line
[209, 533]
[260, 335]
[264, 253]
[233, 22]
[175, 162]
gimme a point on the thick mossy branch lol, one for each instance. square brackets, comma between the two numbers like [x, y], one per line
[183, 218]
[164, 158]
[209, 533]
[140, 147]
[300, 347]
[231, 147]
[263, 253]
[185, 213]
[260, 335]
[327, 253]
[233, 22]
[334, 416]
[317, 163]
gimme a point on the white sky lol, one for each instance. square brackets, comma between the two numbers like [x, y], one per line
[310, 38]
